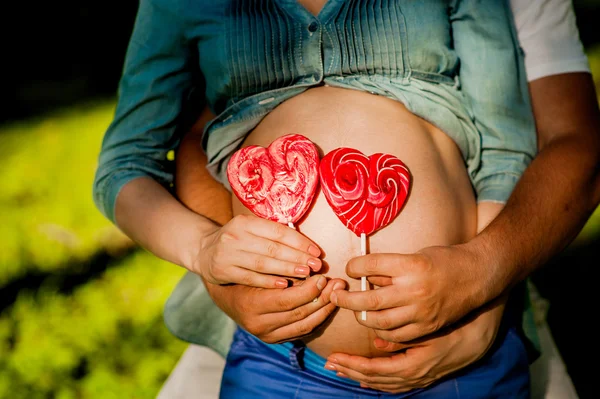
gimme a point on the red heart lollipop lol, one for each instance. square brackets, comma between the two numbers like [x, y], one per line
[276, 183]
[366, 193]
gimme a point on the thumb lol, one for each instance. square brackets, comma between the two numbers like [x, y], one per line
[388, 346]
[334, 284]
[380, 281]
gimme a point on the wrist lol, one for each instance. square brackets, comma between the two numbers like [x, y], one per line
[200, 234]
[485, 324]
[214, 291]
[224, 296]
[489, 269]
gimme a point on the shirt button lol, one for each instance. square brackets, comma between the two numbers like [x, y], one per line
[313, 27]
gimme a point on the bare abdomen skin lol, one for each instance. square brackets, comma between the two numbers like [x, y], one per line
[440, 209]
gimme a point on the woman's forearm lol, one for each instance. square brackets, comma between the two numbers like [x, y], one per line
[558, 191]
[152, 217]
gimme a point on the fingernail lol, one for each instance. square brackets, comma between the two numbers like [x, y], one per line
[333, 360]
[314, 251]
[321, 283]
[338, 286]
[333, 297]
[302, 270]
[341, 375]
[329, 366]
[281, 283]
[313, 262]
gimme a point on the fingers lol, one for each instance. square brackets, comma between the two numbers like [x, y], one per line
[373, 265]
[389, 265]
[380, 281]
[388, 346]
[280, 325]
[398, 373]
[279, 233]
[254, 279]
[248, 246]
[304, 311]
[266, 265]
[301, 321]
[275, 250]
[382, 298]
[355, 375]
[360, 369]
[410, 332]
[380, 366]
[387, 319]
[303, 327]
[293, 297]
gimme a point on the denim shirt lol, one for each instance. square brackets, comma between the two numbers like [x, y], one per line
[455, 63]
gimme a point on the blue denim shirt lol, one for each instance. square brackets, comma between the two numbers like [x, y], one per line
[455, 63]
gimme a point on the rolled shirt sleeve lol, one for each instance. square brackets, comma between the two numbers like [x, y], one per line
[159, 91]
[494, 86]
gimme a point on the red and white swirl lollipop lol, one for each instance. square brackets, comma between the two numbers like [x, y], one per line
[279, 182]
[365, 192]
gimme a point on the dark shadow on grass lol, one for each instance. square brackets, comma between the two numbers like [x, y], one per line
[66, 280]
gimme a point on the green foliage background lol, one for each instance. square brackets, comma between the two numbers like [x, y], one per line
[90, 325]
[81, 306]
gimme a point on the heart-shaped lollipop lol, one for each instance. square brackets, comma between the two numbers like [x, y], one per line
[279, 182]
[366, 193]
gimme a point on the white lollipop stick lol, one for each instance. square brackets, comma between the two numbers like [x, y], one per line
[363, 279]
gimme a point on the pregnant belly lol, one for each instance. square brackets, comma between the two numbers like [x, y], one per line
[440, 209]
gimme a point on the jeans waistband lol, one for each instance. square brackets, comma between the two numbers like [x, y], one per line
[302, 358]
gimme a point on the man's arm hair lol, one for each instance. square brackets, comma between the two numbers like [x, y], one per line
[194, 185]
[558, 191]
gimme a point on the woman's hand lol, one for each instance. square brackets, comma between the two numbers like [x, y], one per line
[255, 252]
[422, 292]
[276, 316]
[423, 362]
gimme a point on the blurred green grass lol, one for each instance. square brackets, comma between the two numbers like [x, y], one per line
[105, 338]
[49, 221]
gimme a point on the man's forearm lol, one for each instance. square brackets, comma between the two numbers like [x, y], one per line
[194, 185]
[557, 193]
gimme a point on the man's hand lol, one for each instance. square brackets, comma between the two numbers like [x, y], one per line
[423, 362]
[278, 315]
[422, 292]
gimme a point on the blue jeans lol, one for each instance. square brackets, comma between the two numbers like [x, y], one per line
[255, 370]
